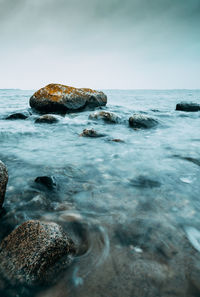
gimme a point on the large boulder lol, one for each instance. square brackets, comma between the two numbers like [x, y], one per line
[62, 99]
[3, 182]
[188, 106]
[35, 253]
[142, 121]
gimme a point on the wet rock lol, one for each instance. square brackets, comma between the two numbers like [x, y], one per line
[17, 116]
[106, 116]
[3, 182]
[144, 182]
[142, 121]
[46, 119]
[46, 181]
[59, 98]
[188, 106]
[117, 140]
[90, 133]
[35, 252]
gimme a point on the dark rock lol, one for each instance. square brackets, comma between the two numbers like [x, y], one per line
[190, 159]
[117, 140]
[187, 106]
[17, 116]
[144, 182]
[46, 119]
[46, 181]
[90, 133]
[31, 253]
[3, 182]
[142, 121]
[62, 99]
[106, 116]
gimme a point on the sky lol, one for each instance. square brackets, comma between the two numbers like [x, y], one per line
[102, 44]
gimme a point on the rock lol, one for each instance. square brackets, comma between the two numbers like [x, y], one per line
[142, 121]
[32, 252]
[117, 140]
[90, 133]
[143, 182]
[46, 119]
[3, 182]
[46, 181]
[17, 116]
[106, 116]
[59, 98]
[188, 106]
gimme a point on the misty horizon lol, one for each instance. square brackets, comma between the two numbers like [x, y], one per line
[100, 44]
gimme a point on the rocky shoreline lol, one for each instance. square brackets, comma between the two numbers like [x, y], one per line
[38, 252]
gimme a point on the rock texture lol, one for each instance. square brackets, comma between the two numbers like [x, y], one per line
[188, 106]
[90, 133]
[17, 116]
[46, 119]
[31, 253]
[46, 181]
[59, 98]
[106, 116]
[142, 121]
[3, 182]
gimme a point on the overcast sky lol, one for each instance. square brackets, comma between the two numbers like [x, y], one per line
[118, 44]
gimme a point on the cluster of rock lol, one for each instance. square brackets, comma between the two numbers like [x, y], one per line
[61, 99]
[35, 252]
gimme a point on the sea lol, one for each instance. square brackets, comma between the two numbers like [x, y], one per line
[132, 205]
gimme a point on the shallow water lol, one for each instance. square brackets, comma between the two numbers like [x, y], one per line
[128, 205]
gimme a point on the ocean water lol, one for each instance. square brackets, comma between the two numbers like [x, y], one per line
[132, 207]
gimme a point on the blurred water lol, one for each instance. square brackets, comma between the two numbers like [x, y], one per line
[153, 176]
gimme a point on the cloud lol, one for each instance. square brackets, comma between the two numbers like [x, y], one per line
[146, 31]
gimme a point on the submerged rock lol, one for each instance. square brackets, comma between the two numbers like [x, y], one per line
[90, 133]
[62, 99]
[144, 182]
[46, 119]
[3, 182]
[46, 181]
[142, 121]
[188, 106]
[117, 140]
[32, 253]
[106, 116]
[17, 116]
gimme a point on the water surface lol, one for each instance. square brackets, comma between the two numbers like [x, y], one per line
[127, 204]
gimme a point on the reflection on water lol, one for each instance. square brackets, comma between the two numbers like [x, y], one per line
[132, 207]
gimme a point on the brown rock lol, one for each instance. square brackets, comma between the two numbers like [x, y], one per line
[46, 119]
[90, 133]
[117, 140]
[61, 99]
[106, 116]
[33, 253]
[3, 182]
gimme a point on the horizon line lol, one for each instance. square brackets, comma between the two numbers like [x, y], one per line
[119, 89]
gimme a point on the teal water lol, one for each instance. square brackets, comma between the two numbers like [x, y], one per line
[105, 189]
